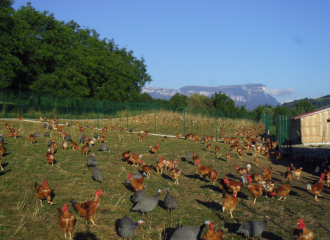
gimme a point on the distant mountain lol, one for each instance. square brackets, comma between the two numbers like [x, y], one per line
[319, 103]
[250, 95]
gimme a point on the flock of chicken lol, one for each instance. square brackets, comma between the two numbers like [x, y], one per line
[264, 183]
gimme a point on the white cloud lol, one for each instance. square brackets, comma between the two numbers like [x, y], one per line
[280, 92]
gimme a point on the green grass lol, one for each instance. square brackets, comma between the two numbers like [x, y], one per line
[25, 164]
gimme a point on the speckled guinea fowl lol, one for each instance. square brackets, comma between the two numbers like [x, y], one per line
[188, 233]
[91, 161]
[189, 155]
[138, 195]
[103, 147]
[147, 204]
[170, 201]
[127, 227]
[68, 137]
[253, 228]
[97, 175]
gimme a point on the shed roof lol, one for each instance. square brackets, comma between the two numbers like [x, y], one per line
[310, 113]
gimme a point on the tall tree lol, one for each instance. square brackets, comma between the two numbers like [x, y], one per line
[8, 61]
[197, 100]
[179, 100]
[44, 55]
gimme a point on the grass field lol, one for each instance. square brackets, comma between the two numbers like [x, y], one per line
[24, 164]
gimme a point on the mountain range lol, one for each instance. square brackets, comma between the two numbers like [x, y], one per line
[250, 95]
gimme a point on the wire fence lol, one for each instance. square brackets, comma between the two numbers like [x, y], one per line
[154, 117]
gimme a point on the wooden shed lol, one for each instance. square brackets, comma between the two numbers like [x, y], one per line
[311, 128]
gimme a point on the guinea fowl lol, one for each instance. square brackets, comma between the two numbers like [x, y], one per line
[138, 195]
[188, 233]
[68, 137]
[104, 147]
[96, 136]
[47, 134]
[37, 134]
[170, 201]
[244, 178]
[44, 125]
[50, 127]
[91, 161]
[147, 204]
[1, 138]
[253, 228]
[97, 175]
[189, 155]
[82, 138]
[127, 227]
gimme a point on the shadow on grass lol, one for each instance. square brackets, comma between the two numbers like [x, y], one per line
[211, 187]
[85, 236]
[129, 187]
[167, 234]
[270, 235]
[4, 172]
[210, 204]
[161, 203]
[167, 177]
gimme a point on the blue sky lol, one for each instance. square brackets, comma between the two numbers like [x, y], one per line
[283, 44]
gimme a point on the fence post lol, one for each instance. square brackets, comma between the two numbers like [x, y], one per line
[216, 125]
[55, 107]
[6, 104]
[184, 122]
[98, 114]
[67, 108]
[155, 120]
[247, 128]
[19, 102]
[32, 105]
[71, 109]
[126, 115]
[45, 104]
[91, 109]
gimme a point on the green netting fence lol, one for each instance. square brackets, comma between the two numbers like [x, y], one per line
[154, 117]
[283, 131]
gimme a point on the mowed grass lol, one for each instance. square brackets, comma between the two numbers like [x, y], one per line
[25, 163]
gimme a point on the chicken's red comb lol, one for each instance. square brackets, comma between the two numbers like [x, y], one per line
[46, 183]
[129, 175]
[99, 192]
[65, 207]
[301, 220]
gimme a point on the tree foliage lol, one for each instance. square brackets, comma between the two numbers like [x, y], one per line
[179, 100]
[45, 55]
[197, 100]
